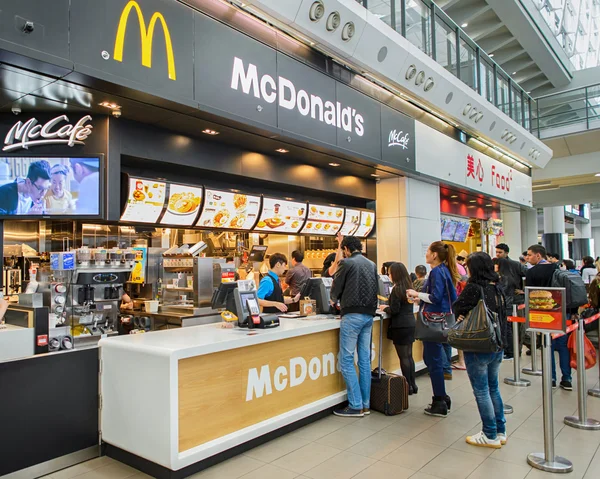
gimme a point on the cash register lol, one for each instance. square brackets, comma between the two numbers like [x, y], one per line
[243, 302]
[319, 289]
[385, 289]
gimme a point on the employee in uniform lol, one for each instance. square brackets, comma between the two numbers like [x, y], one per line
[270, 294]
[297, 277]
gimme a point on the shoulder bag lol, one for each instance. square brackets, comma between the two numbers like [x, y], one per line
[434, 327]
[480, 331]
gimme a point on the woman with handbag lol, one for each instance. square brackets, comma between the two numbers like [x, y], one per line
[435, 318]
[483, 296]
[401, 328]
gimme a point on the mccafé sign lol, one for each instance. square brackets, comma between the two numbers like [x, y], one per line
[270, 90]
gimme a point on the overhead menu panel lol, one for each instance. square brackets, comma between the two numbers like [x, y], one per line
[351, 222]
[223, 209]
[183, 205]
[323, 220]
[367, 223]
[279, 216]
[145, 201]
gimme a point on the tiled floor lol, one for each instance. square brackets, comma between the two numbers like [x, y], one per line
[410, 445]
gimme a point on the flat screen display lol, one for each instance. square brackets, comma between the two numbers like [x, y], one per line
[223, 209]
[367, 223]
[323, 220]
[443, 222]
[449, 230]
[585, 211]
[351, 222]
[50, 186]
[575, 209]
[280, 216]
[462, 231]
[183, 205]
[569, 209]
[145, 201]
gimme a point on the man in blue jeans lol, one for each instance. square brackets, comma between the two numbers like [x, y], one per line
[355, 286]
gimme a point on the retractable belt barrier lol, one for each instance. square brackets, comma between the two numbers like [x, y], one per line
[516, 380]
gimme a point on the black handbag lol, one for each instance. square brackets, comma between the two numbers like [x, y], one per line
[480, 331]
[434, 327]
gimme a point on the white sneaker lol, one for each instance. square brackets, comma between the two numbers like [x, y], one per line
[481, 440]
[502, 438]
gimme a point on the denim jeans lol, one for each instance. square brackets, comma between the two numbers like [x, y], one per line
[355, 334]
[564, 358]
[435, 359]
[483, 369]
[448, 358]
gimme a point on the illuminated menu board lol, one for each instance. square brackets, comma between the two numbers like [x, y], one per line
[183, 205]
[367, 222]
[280, 216]
[223, 209]
[145, 201]
[323, 220]
[351, 222]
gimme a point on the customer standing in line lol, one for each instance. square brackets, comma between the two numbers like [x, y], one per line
[438, 296]
[355, 285]
[401, 328]
[421, 274]
[588, 270]
[483, 368]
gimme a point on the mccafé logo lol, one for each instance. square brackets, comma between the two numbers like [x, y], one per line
[31, 133]
[399, 138]
[268, 89]
[147, 35]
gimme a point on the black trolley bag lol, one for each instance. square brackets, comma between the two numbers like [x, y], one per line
[389, 392]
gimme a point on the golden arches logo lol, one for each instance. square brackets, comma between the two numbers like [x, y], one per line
[146, 37]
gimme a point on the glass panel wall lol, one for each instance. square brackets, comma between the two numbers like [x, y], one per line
[487, 80]
[503, 94]
[468, 65]
[445, 45]
[517, 105]
[418, 25]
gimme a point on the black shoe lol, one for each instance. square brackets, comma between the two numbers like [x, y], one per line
[437, 408]
[411, 390]
[553, 384]
[566, 385]
[448, 402]
[415, 389]
[348, 412]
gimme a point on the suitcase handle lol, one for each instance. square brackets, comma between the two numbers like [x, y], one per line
[380, 359]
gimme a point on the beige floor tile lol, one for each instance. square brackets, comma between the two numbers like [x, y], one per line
[346, 437]
[414, 454]
[343, 466]
[494, 469]
[422, 475]
[461, 445]
[379, 445]
[453, 464]
[73, 471]
[111, 471]
[140, 475]
[277, 448]
[99, 462]
[320, 428]
[580, 466]
[533, 429]
[412, 426]
[230, 469]
[516, 450]
[376, 421]
[384, 470]
[445, 433]
[307, 457]
[269, 471]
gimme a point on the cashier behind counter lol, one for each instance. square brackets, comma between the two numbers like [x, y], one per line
[270, 294]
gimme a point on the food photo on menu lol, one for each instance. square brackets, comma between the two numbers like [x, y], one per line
[223, 209]
[543, 300]
[351, 222]
[323, 220]
[145, 200]
[183, 205]
[49, 186]
[281, 216]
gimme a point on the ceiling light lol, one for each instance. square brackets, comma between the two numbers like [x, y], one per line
[514, 73]
[454, 196]
[208, 131]
[489, 204]
[374, 175]
[464, 25]
[491, 55]
[334, 164]
[288, 198]
[112, 106]
[234, 190]
[282, 150]
[472, 206]
[597, 174]
[472, 201]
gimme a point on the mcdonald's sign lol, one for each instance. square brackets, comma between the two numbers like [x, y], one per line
[146, 36]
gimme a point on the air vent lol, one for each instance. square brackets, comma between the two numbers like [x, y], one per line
[411, 72]
[479, 117]
[316, 12]
[333, 21]
[449, 97]
[420, 78]
[473, 114]
[348, 31]
[467, 109]
[429, 84]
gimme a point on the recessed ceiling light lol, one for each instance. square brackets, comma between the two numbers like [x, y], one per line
[472, 201]
[489, 204]
[112, 106]
[282, 150]
[374, 175]
[334, 164]
[514, 73]
[472, 206]
[235, 191]
[208, 131]
[464, 25]
[454, 196]
[288, 198]
[597, 174]
[491, 55]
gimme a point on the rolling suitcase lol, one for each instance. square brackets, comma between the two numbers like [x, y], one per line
[389, 392]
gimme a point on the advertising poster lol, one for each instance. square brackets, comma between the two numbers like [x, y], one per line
[223, 209]
[323, 220]
[351, 222]
[145, 201]
[280, 216]
[545, 309]
[367, 223]
[138, 274]
[183, 205]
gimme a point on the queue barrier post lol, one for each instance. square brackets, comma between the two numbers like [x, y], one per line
[596, 392]
[533, 370]
[516, 381]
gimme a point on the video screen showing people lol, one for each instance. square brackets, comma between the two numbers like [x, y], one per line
[49, 186]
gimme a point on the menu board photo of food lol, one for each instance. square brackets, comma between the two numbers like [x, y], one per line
[183, 205]
[223, 209]
[145, 201]
[367, 222]
[280, 216]
[351, 222]
[323, 220]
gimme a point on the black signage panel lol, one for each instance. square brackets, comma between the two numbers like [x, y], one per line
[397, 139]
[144, 44]
[358, 122]
[235, 73]
[306, 101]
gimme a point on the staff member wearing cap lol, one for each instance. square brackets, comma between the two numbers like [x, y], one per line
[86, 172]
[59, 200]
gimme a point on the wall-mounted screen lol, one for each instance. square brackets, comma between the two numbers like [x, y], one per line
[351, 222]
[575, 209]
[223, 209]
[323, 220]
[462, 231]
[568, 209]
[449, 230]
[279, 216]
[183, 205]
[50, 186]
[367, 223]
[585, 211]
[442, 223]
[145, 201]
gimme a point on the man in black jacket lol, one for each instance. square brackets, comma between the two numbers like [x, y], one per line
[541, 275]
[355, 285]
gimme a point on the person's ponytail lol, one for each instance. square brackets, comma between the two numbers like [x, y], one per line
[451, 263]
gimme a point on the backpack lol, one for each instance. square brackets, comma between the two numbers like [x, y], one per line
[575, 292]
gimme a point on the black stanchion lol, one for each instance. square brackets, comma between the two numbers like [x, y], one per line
[596, 392]
[516, 380]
